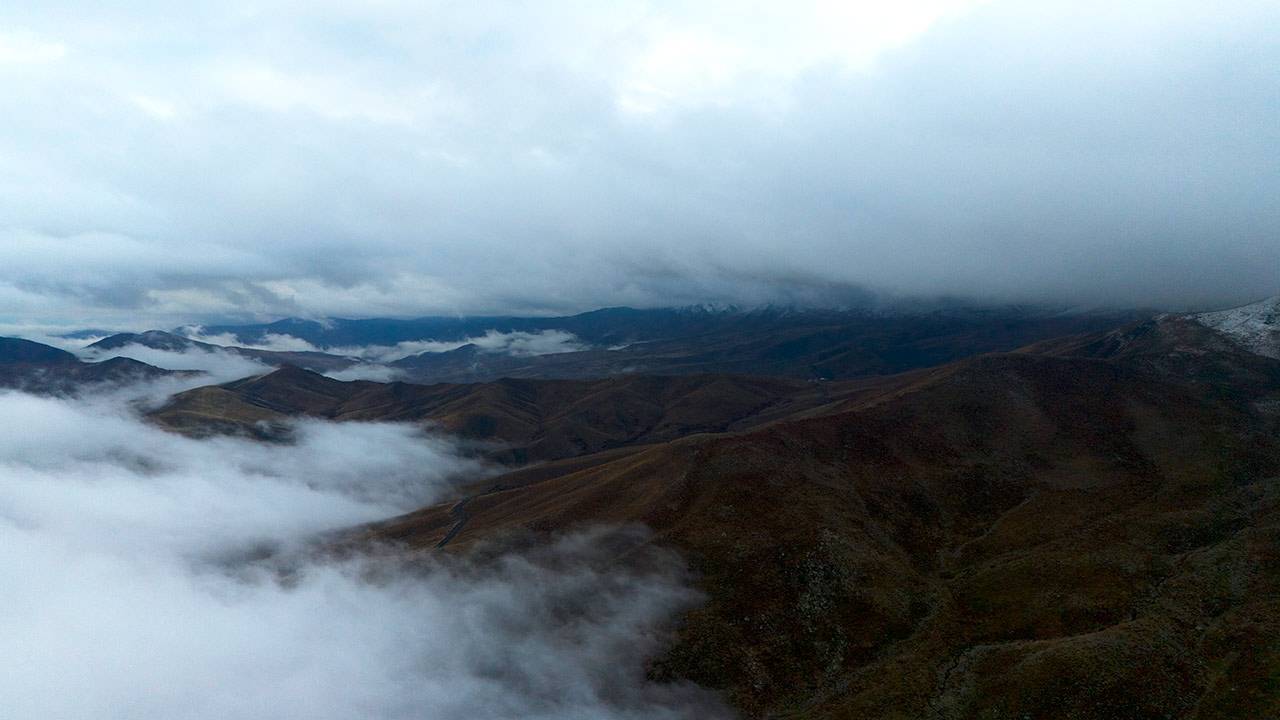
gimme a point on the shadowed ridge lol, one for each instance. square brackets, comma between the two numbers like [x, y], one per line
[42, 369]
[292, 390]
[121, 369]
[155, 339]
[17, 350]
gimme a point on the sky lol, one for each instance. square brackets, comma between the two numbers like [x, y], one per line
[190, 162]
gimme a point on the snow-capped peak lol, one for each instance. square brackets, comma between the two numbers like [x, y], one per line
[1255, 327]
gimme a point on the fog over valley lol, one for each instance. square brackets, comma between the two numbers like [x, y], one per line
[149, 575]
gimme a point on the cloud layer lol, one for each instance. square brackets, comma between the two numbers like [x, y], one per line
[411, 158]
[134, 586]
[217, 366]
[518, 343]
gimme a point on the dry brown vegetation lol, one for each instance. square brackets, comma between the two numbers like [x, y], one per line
[1085, 529]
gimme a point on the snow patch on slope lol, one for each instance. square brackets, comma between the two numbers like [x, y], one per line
[1254, 327]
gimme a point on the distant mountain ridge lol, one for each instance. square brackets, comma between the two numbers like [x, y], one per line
[1084, 524]
[1085, 527]
[604, 327]
[776, 341]
[16, 350]
[807, 345]
[171, 342]
[38, 368]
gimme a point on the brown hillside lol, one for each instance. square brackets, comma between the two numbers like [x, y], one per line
[1012, 536]
[529, 420]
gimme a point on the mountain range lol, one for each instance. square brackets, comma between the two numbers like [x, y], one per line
[171, 342]
[799, 343]
[1086, 528]
[39, 368]
[954, 515]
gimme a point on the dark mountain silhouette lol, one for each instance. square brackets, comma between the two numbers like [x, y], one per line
[19, 351]
[606, 326]
[155, 339]
[38, 368]
[810, 344]
[161, 340]
[785, 342]
[802, 343]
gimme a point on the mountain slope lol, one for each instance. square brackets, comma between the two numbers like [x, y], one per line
[789, 342]
[1088, 527]
[1255, 327]
[18, 351]
[34, 367]
[523, 420]
[1026, 535]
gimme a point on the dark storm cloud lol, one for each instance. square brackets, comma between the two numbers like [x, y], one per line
[409, 159]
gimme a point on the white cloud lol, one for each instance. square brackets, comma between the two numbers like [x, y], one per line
[134, 586]
[525, 344]
[275, 342]
[332, 98]
[23, 47]
[158, 108]
[218, 366]
[367, 371]
[391, 353]
[516, 343]
[715, 53]
[478, 158]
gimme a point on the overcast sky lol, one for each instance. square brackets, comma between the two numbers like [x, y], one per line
[186, 161]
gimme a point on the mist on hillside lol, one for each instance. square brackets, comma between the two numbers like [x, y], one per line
[152, 575]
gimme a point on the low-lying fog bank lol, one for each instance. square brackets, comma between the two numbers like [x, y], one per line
[125, 597]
